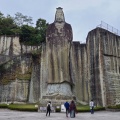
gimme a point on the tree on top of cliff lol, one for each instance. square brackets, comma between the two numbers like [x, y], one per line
[22, 25]
[1, 15]
[21, 19]
[41, 27]
[7, 26]
[34, 36]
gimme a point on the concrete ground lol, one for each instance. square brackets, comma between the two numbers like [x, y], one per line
[17, 115]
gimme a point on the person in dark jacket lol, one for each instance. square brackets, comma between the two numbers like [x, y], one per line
[48, 108]
[72, 109]
[67, 108]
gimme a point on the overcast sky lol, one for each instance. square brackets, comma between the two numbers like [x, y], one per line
[83, 15]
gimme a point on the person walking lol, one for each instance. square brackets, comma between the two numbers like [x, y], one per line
[91, 104]
[48, 108]
[67, 108]
[72, 109]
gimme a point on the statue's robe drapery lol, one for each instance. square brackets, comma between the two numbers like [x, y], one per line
[58, 46]
[58, 42]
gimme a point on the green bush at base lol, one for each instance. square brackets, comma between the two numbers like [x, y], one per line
[20, 107]
[23, 107]
[32, 108]
[3, 106]
[114, 107]
[57, 110]
[87, 108]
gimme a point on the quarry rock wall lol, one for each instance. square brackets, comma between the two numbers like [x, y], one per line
[111, 57]
[86, 71]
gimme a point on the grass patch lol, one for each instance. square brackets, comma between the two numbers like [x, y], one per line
[32, 108]
[57, 109]
[3, 106]
[114, 107]
[23, 107]
[87, 108]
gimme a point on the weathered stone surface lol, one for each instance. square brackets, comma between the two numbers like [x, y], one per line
[94, 66]
[63, 88]
[59, 31]
[16, 91]
[78, 71]
[111, 58]
[34, 89]
[15, 73]
[64, 69]
[103, 59]
[58, 42]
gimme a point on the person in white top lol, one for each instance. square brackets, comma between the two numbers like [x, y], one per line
[91, 104]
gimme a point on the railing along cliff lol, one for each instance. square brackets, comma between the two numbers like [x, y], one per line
[109, 28]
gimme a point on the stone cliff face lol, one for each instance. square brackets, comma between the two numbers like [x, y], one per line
[34, 88]
[15, 75]
[78, 71]
[111, 57]
[15, 69]
[103, 71]
[95, 67]
[89, 71]
[9, 45]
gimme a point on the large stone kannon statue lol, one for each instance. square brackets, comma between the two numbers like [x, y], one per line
[59, 30]
[58, 41]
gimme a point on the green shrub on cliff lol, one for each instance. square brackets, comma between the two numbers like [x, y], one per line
[24, 76]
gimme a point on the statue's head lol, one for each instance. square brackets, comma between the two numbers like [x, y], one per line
[59, 16]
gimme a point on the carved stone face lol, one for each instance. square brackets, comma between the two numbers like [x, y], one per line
[59, 17]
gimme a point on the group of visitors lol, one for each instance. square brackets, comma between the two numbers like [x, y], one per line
[70, 108]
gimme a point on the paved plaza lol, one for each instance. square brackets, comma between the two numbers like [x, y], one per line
[17, 115]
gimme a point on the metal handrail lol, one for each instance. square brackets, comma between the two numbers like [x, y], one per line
[109, 28]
